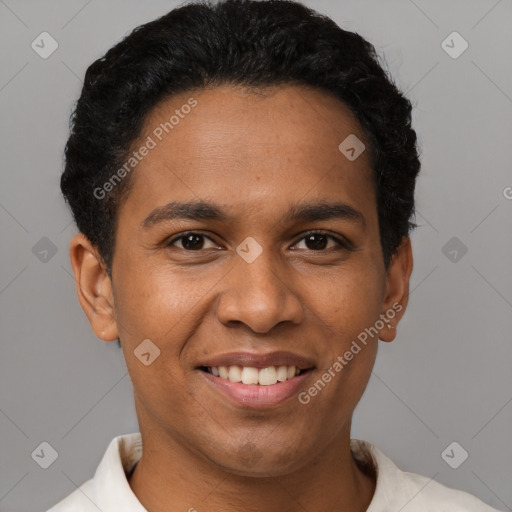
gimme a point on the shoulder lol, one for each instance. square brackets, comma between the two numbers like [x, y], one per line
[410, 492]
[429, 495]
[80, 500]
[109, 489]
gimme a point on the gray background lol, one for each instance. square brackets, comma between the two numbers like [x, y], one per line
[448, 375]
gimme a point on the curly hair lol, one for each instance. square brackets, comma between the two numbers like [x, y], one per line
[240, 42]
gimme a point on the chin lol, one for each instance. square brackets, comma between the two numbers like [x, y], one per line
[252, 461]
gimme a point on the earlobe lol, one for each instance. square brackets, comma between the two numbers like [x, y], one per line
[397, 290]
[93, 286]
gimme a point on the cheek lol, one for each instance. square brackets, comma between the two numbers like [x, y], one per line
[348, 306]
[166, 308]
[351, 300]
[154, 303]
[156, 306]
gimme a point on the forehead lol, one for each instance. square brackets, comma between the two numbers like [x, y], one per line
[245, 148]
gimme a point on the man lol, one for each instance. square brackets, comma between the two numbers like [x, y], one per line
[242, 176]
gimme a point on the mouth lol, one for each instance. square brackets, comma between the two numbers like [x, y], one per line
[258, 381]
[252, 376]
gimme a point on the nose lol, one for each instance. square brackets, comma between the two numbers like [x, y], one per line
[259, 295]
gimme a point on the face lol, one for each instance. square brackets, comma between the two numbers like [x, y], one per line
[256, 272]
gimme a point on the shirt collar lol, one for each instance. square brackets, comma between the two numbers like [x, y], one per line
[113, 491]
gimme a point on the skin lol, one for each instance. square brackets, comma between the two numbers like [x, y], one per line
[254, 154]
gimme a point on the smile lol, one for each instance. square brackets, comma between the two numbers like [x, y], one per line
[253, 376]
[267, 393]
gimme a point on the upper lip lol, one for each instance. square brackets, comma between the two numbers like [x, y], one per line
[256, 360]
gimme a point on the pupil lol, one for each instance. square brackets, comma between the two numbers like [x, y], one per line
[317, 245]
[192, 242]
[315, 241]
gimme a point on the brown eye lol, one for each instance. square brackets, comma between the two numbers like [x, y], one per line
[316, 241]
[319, 241]
[190, 241]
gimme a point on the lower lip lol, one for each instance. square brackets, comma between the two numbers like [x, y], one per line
[256, 396]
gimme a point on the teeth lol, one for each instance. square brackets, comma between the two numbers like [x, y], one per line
[268, 376]
[282, 373]
[249, 375]
[235, 373]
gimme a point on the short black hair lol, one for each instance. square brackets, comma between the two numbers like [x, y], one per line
[240, 42]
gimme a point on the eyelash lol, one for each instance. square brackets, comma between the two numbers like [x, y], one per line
[340, 241]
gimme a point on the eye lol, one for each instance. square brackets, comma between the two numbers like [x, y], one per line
[314, 240]
[319, 241]
[191, 241]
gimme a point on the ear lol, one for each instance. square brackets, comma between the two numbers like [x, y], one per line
[397, 290]
[93, 287]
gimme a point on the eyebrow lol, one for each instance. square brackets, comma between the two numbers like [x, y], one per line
[202, 210]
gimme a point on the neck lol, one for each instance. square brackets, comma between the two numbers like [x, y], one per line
[333, 481]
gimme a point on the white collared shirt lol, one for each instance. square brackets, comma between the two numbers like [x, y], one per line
[396, 490]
